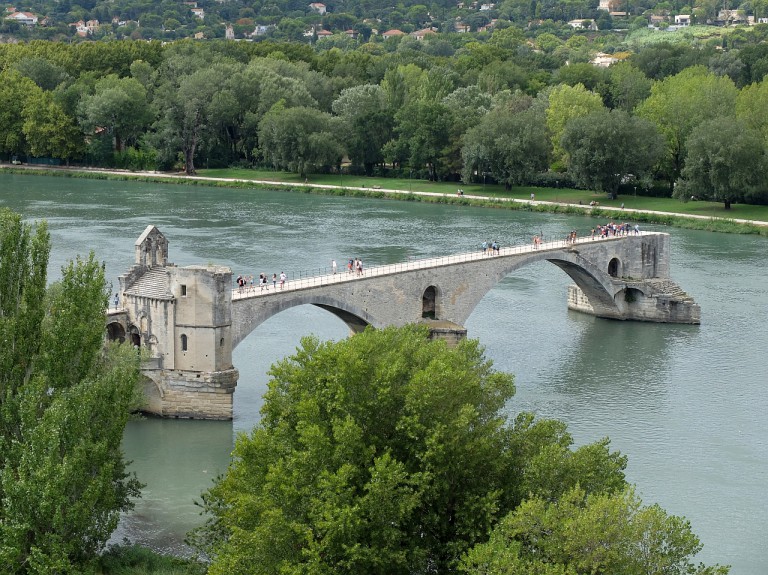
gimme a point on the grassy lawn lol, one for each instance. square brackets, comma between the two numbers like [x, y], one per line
[566, 196]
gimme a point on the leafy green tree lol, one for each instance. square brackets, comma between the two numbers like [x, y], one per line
[589, 76]
[364, 109]
[298, 139]
[565, 104]
[511, 144]
[423, 131]
[48, 129]
[42, 72]
[385, 453]
[728, 64]
[120, 107]
[658, 61]
[498, 76]
[14, 91]
[755, 60]
[725, 162]
[607, 147]
[193, 107]
[679, 103]
[586, 534]
[627, 86]
[64, 404]
[751, 104]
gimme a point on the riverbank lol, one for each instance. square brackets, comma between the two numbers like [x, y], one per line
[607, 212]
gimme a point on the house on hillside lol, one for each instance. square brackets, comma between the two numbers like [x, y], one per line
[84, 29]
[683, 20]
[261, 30]
[318, 7]
[602, 60]
[392, 34]
[421, 34]
[728, 17]
[25, 18]
[583, 24]
[199, 12]
[488, 27]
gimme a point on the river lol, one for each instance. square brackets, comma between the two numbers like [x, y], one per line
[685, 403]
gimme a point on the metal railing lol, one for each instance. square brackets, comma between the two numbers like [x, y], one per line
[311, 278]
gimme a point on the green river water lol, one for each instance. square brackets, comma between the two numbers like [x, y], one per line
[685, 403]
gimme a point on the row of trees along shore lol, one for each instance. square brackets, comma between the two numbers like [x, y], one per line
[682, 120]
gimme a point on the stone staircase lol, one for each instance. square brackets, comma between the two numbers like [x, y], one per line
[665, 288]
[668, 288]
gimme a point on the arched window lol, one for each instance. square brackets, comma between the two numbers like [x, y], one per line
[428, 303]
[613, 267]
[183, 342]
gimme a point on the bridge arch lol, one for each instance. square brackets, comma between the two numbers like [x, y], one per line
[115, 332]
[252, 316]
[134, 336]
[596, 284]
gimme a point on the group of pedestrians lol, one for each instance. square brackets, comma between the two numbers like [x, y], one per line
[246, 284]
[490, 248]
[354, 265]
[612, 230]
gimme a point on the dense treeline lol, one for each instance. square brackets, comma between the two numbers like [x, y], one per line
[511, 109]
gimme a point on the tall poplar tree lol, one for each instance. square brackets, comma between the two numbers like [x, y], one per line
[64, 403]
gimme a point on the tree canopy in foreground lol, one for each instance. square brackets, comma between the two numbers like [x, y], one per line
[388, 453]
[64, 403]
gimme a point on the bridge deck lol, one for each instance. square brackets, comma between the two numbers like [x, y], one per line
[390, 269]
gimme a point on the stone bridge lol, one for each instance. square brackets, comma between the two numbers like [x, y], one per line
[190, 319]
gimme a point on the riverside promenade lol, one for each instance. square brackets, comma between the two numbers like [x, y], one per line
[373, 189]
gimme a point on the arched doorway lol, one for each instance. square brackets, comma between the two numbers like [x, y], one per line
[134, 336]
[115, 332]
[613, 267]
[429, 303]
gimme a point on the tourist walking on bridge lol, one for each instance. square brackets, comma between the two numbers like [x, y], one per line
[282, 280]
